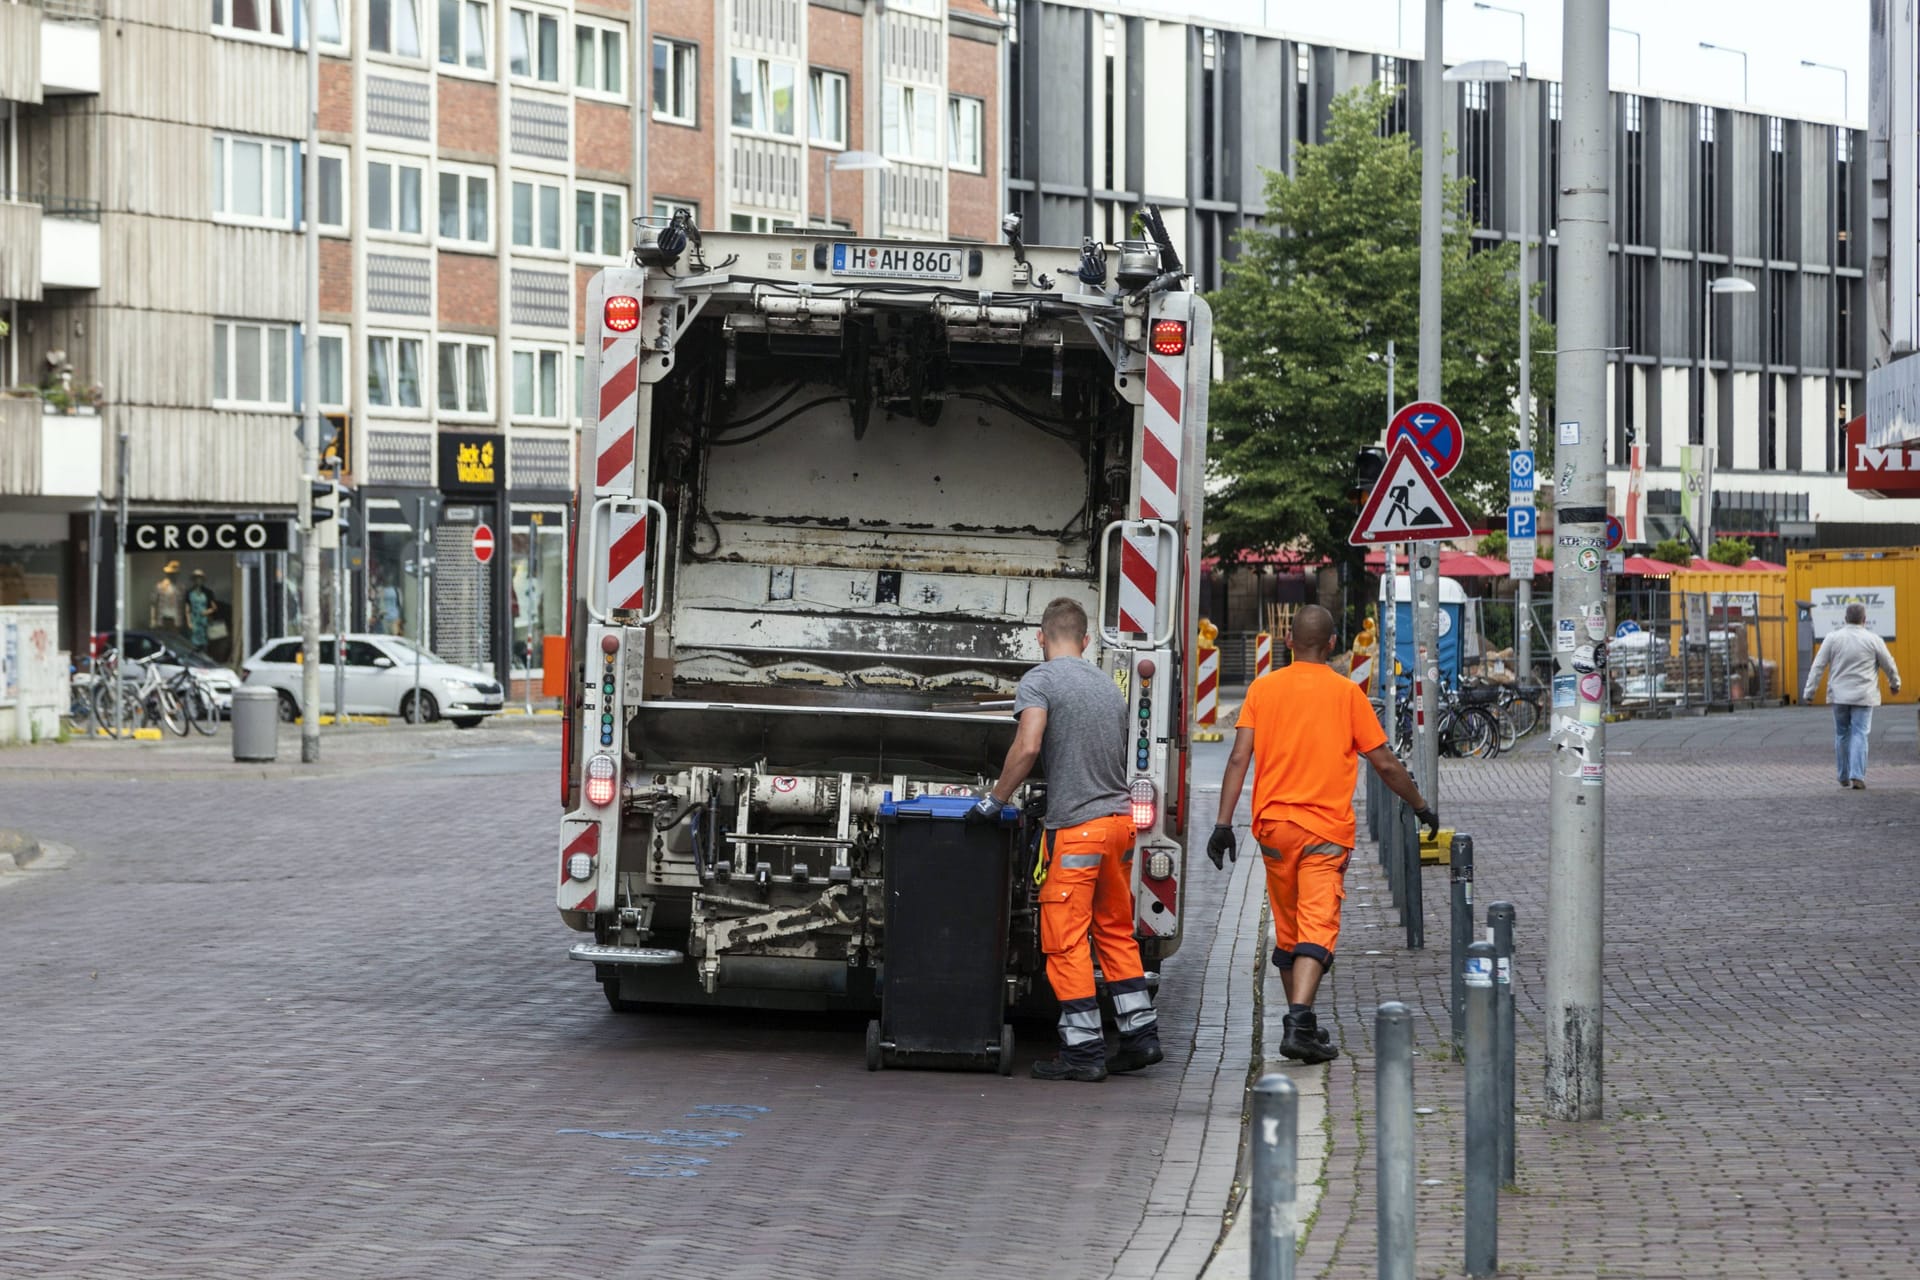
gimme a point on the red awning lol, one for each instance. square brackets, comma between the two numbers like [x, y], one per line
[1648, 567]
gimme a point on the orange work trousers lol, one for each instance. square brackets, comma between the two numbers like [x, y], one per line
[1089, 889]
[1306, 882]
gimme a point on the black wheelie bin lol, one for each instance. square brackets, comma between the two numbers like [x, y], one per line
[944, 981]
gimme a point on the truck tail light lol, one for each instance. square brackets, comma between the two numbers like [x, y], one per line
[1159, 865]
[1143, 803]
[623, 314]
[579, 866]
[603, 777]
[1169, 337]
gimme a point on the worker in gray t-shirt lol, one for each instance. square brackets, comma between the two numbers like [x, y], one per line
[1073, 722]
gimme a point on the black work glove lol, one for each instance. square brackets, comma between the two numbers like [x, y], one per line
[987, 810]
[1221, 844]
[1429, 819]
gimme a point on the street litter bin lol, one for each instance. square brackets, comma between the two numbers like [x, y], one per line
[949, 890]
[256, 724]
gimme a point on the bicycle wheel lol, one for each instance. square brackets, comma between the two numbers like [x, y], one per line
[80, 704]
[1526, 715]
[196, 704]
[1509, 727]
[1476, 733]
[165, 708]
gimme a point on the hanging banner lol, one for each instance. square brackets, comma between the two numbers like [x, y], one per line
[1636, 488]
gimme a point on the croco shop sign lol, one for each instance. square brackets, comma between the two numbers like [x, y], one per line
[186, 533]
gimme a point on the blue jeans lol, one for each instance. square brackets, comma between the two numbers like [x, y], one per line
[1850, 728]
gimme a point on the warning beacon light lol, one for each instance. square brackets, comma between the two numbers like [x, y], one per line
[623, 313]
[603, 774]
[1169, 337]
[1143, 803]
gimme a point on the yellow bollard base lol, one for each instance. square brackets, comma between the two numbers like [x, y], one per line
[1208, 735]
[1436, 851]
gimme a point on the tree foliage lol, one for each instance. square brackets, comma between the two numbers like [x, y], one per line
[1306, 312]
[1730, 551]
[1674, 551]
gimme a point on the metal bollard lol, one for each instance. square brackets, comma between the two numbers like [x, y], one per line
[1460, 881]
[1276, 1124]
[1393, 858]
[1416, 904]
[1500, 917]
[1483, 1124]
[1393, 1105]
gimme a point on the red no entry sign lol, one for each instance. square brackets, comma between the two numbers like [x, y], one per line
[1435, 432]
[482, 543]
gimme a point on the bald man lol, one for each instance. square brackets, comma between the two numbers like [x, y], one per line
[1304, 728]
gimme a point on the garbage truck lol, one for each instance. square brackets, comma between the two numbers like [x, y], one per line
[826, 488]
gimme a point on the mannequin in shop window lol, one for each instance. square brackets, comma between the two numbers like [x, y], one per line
[201, 606]
[386, 605]
[164, 606]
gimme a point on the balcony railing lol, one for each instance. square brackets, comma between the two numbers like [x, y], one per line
[53, 206]
[69, 10]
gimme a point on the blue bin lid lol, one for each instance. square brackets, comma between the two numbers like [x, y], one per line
[951, 808]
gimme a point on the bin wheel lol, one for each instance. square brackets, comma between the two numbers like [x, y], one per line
[1006, 1048]
[873, 1045]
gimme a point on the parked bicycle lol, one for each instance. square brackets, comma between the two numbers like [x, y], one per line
[1467, 727]
[198, 709]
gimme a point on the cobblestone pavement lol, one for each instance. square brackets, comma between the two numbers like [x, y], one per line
[325, 1026]
[1760, 1046]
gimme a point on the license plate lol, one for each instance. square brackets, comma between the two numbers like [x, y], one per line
[897, 261]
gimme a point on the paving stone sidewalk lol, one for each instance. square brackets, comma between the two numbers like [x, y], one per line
[1760, 1045]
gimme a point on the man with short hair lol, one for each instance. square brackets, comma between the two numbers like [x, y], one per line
[1852, 658]
[1305, 726]
[1073, 719]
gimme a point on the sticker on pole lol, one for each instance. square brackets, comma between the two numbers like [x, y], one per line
[482, 543]
[1407, 503]
[1433, 428]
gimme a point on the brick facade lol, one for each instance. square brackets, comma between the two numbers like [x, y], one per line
[469, 118]
[469, 290]
[336, 279]
[680, 158]
[973, 70]
[336, 96]
[834, 44]
[602, 140]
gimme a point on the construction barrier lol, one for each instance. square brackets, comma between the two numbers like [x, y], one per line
[1206, 693]
[1262, 654]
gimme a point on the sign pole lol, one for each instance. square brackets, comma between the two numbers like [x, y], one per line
[419, 595]
[1576, 849]
[339, 609]
[1388, 659]
[1426, 586]
[310, 434]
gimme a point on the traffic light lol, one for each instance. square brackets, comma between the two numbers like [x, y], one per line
[323, 501]
[1367, 466]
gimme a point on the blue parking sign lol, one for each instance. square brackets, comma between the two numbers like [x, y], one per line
[1522, 522]
[1520, 471]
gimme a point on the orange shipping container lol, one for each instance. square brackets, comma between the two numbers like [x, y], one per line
[1888, 580]
[1756, 605]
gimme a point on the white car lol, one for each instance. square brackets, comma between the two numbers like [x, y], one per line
[379, 680]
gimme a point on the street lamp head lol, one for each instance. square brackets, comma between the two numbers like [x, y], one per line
[1730, 284]
[855, 160]
[1479, 70]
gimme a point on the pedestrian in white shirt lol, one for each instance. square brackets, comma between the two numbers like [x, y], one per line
[1852, 658]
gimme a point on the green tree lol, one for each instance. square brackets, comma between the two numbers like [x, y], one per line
[1494, 544]
[1730, 551]
[1306, 310]
[1673, 551]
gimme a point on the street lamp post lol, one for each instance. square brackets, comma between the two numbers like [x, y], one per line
[852, 161]
[1846, 99]
[1493, 69]
[1719, 284]
[1741, 53]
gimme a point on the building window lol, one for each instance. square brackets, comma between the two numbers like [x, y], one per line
[466, 207]
[394, 193]
[396, 371]
[252, 365]
[533, 45]
[463, 34]
[599, 221]
[465, 378]
[333, 368]
[252, 179]
[763, 96]
[334, 201]
[536, 382]
[676, 70]
[826, 108]
[909, 127]
[536, 215]
[600, 58]
[965, 134]
[393, 26]
[252, 18]
[761, 223]
[327, 25]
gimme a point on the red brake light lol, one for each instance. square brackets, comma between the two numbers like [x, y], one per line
[1143, 803]
[623, 314]
[603, 776]
[1169, 337]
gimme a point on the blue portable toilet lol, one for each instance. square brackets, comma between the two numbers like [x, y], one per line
[1453, 604]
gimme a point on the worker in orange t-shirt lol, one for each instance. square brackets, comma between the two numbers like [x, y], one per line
[1304, 727]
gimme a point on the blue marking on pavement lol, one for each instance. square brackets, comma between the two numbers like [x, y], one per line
[664, 1164]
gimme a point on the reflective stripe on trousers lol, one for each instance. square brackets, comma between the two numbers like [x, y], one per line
[1132, 1007]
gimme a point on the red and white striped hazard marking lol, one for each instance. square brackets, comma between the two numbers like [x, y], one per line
[1139, 583]
[1206, 693]
[579, 839]
[1161, 923]
[1262, 654]
[619, 408]
[627, 560]
[1160, 445]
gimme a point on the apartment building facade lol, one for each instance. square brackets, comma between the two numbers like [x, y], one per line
[478, 161]
[1112, 105]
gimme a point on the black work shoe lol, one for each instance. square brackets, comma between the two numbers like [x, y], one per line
[1135, 1059]
[1061, 1069]
[1858, 784]
[1304, 1041]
